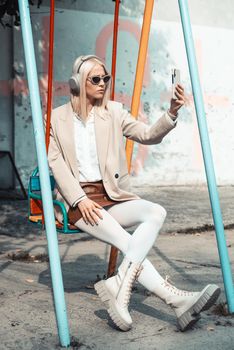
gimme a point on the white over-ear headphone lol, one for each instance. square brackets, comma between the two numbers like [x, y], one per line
[74, 81]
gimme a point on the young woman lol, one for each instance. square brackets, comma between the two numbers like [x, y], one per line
[87, 158]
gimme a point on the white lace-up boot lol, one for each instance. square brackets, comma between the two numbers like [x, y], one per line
[116, 291]
[187, 305]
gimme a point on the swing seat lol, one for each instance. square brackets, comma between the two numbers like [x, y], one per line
[35, 209]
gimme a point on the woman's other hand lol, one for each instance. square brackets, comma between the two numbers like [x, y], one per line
[90, 211]
[176, 104]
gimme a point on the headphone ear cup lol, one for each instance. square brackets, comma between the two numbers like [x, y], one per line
[74, 83]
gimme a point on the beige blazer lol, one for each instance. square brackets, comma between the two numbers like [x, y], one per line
[110, 128]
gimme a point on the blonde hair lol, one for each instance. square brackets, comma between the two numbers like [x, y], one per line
[79, 102]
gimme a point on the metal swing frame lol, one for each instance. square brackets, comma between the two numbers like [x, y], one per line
[45, 185]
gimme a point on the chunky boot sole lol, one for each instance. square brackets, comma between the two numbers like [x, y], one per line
[112, 310]
[204, 302]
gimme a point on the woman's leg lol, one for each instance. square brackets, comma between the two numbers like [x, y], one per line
[132, 213]
[187, 305]
[117, 290]
[150, 217]
[126, 214]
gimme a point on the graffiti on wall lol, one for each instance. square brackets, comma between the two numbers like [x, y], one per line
[178, 160]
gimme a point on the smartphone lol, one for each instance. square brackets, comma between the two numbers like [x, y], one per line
[175, 77]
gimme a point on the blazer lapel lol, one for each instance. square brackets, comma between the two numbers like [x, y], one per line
[67, 134]
[102, 123]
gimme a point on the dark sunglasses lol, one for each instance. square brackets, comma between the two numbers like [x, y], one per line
[95, 80]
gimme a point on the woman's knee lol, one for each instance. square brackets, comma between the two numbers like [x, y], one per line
[157, 213]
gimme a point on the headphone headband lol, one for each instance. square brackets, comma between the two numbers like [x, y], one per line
[84, 59]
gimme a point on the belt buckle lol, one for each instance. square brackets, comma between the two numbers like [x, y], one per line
[91, 189]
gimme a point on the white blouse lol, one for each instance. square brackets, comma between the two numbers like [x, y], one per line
[86, 149]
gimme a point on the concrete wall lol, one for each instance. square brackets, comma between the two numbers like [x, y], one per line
[85, 27]
[6, 108]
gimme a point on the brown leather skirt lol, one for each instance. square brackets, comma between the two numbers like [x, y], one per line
[94, 191]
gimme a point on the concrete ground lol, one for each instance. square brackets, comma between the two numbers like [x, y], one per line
[186, 251]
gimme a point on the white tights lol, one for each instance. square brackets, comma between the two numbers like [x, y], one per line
[149, 216]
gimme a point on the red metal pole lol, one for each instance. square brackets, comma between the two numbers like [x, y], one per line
[114, 251]
[114, 47]
[50, 82]
[50, 74]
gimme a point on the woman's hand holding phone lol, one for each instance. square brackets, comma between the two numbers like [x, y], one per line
[178, 102]
[178, 97]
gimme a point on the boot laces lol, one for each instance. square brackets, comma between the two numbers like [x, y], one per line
[176, 291]
[138, 272]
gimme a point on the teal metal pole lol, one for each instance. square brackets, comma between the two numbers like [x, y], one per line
[207, 156]
[55, 266]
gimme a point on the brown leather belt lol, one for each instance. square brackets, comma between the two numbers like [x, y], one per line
[94, 191]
